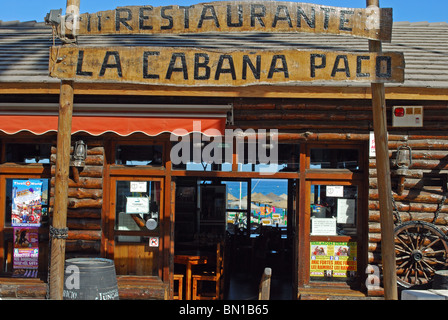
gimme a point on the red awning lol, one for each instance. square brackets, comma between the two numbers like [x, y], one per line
[121, 125]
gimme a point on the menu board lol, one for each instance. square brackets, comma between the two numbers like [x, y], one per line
[333, 259]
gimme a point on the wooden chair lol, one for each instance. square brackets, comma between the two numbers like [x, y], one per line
[179, 278]
[265, 285]
[215, 276]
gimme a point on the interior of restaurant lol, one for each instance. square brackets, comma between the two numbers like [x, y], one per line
[249, 218]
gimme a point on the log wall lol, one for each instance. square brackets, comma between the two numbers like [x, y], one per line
[85, 203]
[333, 121]
[341, 121]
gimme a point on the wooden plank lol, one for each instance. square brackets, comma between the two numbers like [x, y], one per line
[200, 67]
[281, 91]
[237, 16]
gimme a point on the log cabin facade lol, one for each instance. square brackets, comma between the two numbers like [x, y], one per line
[324, 137]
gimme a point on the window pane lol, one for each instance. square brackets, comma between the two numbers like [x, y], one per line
[335, 159]
[137, 202]
[279, 158]
[139, 155]
[333, 213]
[333, 210]
[137, 210]
[201, 156]
[28, 153]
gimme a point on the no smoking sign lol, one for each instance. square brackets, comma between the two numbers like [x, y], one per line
[154, 242]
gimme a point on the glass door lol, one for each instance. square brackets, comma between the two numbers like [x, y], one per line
[334, 231]
[136, 232]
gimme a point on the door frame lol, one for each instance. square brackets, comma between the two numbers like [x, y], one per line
[331, 177]
[110, 231]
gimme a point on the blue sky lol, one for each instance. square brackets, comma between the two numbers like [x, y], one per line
[404, 10]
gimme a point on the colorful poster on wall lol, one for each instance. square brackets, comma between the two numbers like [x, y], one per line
[26, 252]
[333, 259]
[26, 203]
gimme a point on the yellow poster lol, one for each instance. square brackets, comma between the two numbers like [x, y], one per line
[333, 259]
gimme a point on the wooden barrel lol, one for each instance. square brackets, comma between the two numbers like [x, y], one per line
[90, 279]
[440, 281]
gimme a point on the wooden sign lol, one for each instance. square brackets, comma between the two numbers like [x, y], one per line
[237, 16]
[199, 67]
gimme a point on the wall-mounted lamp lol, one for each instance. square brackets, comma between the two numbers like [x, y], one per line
[79, 154]
[402, 163]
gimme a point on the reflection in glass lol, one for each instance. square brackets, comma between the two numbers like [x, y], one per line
[334, 159]
[268, 204]
[139, 155]
[28, 153]
[136, 202]
[333, 210]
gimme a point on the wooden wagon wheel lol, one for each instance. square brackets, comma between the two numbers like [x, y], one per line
[421, 249]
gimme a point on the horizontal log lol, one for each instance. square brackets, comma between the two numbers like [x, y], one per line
[424, 144]
[84, 224]
[91, 150]
[87, 171]
[313, 136]
[303, 125]
[91, 160]
[83, 246]
[81, 193]
[258, 106]
[84, 213]
[84, 203]
[426, 183]
[84, 235]
[374, 227]
[373, 246]
[418, 196]
[288, 115]
[86, 183]
[374, 237]
[25, 291]
[412, 174]
[442, 220]
[138, 288]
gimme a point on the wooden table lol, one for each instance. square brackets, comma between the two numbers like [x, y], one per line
[189, 260]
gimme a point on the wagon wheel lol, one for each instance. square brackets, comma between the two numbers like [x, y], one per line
[421, 249]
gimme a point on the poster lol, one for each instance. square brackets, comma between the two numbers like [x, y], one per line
[136, 205]
[26, 203]
[26, 252]
[333, 259]
[323, 226]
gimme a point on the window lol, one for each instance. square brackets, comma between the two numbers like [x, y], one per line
[28, 153]
[269, 158]
[335, 159]
[201, 156]
[139, 155]
[334, 256]
[333, 210]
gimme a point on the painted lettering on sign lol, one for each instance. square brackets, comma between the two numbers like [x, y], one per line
[197, 67]
[239, 16]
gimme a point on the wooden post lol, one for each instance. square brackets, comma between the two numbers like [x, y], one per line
[384, 180]
[58, 230]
